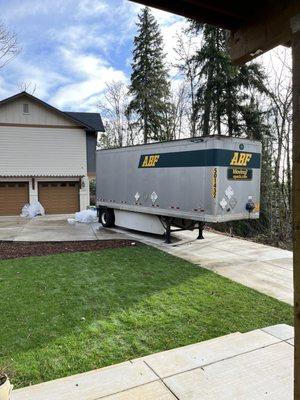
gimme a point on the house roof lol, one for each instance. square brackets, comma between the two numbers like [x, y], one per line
[89, 121]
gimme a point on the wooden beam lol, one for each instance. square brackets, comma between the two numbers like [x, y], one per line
[295, 25]
[270, 29]
[238, 10]
[194, 11]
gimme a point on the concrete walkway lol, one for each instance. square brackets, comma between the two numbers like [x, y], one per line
[250, 366]
[264, 268]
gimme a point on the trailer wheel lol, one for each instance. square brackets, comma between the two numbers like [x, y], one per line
[107, 218]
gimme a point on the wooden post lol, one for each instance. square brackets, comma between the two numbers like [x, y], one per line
[295, 26]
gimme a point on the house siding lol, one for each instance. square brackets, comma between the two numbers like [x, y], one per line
[32, 151]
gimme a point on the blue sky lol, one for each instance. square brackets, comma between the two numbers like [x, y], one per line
[71, 48]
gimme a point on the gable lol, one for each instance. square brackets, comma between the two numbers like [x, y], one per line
[38, 114]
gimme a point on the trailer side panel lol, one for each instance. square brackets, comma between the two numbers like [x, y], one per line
[209, 179]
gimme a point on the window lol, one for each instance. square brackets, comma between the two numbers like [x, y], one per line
[25, 108]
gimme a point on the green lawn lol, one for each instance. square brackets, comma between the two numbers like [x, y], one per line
[69, 313]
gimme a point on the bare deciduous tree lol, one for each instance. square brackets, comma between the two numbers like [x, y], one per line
[179, 123]
[9, 47]
[28, 87]
[185, 51]
[280, 123]
[118, 129]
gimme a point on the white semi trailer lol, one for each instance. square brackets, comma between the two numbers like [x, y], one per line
[182, 184]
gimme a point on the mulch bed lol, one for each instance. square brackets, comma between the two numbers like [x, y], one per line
[26, 249]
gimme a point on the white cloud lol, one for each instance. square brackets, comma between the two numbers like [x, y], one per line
[169, 34]
[82, 36]
[164, 18]
[6, 89]
[19, 10]
[90, 75]
[25, 71]
[71, 49]
[91, 8]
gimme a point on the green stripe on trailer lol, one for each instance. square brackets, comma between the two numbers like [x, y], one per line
[201, 158]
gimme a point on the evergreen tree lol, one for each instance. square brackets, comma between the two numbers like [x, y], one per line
[149, 88]
[224, 90]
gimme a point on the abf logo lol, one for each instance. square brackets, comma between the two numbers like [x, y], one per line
[240, 159]
[150, 161]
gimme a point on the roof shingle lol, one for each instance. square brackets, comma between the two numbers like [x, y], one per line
[90, 119]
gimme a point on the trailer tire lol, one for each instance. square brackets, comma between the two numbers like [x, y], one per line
[107, 218]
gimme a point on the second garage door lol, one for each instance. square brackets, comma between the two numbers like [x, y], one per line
[59, 197]
[13, 196]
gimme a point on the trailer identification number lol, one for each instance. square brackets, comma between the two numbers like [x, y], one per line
[240, 159]
[214, 183]
[150, 161]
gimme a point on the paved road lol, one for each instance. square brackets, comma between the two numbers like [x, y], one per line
[264, 268]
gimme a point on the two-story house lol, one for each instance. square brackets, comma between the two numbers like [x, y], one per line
[46, 155]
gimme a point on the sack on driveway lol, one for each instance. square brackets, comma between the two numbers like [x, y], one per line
[86, 217]
[32, 210]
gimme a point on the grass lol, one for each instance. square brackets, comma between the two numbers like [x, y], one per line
[69, 313]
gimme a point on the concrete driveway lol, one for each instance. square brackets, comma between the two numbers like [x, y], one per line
[51, 228]
[264, 268]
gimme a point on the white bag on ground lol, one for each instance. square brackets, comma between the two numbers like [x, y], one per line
[86, 216]
[32, 210]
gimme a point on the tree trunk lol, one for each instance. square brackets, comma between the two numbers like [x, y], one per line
[296, 194]
[207, 104]
[146, 133]
[218, 107]
[229, 115]
[193, 116]
[289, 171]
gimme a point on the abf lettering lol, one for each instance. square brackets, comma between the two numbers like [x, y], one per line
[240, 159]
[150, 161]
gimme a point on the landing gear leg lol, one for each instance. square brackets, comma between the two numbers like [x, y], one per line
[200, 234]
[168, 233]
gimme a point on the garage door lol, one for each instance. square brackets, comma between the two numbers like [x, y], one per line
[13, 196]
[59, 197]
